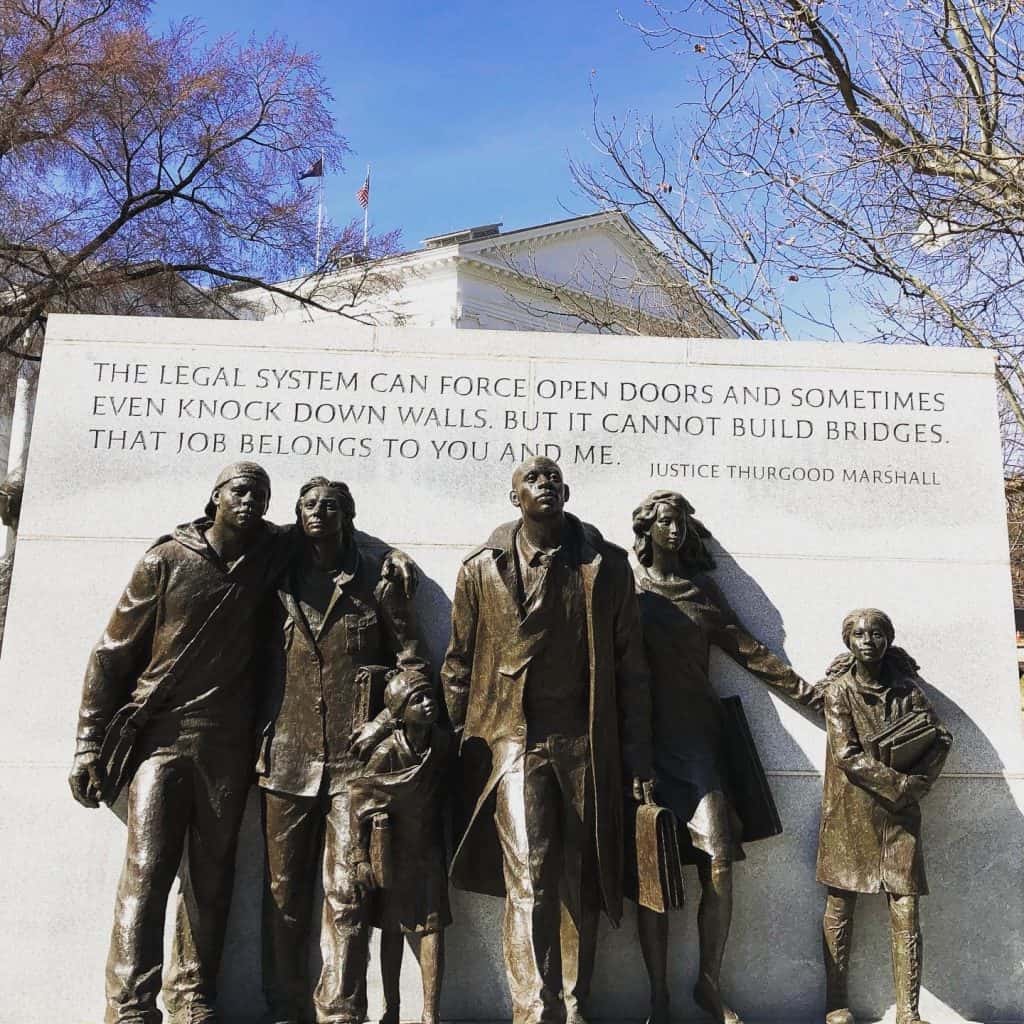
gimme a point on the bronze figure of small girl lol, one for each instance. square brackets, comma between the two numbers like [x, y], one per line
[401, 792]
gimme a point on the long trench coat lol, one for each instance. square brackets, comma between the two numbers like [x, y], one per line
[483, 678]
[870, 838]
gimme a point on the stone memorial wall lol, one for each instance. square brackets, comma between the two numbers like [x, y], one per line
[831, 477]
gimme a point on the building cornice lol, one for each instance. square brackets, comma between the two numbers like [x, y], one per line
[505, 276]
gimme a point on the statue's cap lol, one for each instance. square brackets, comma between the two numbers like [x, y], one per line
[252, 470]
[401, 686]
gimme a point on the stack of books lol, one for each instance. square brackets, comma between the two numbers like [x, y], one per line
[903, 743]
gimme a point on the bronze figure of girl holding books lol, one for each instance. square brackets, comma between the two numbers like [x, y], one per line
[885, 749]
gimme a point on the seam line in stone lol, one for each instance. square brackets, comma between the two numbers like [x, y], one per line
[375, 347]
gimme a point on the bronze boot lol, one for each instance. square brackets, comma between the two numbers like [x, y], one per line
[906, 973]
[836, 944]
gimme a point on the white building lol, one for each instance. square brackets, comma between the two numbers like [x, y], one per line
[589, 274]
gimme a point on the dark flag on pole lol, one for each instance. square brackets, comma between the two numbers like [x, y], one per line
[314, 170]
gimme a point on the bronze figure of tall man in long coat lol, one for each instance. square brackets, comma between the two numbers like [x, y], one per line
[546, 683]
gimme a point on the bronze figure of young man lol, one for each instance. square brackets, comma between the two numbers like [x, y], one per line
[177, 660]
[546, 682]
[338, 614]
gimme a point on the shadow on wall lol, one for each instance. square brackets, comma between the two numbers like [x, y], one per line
[965, 908]
[762, 618]
[976, 812]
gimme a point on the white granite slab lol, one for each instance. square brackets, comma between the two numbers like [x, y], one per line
[922, 535]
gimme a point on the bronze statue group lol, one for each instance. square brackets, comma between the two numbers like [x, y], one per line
[572, 686]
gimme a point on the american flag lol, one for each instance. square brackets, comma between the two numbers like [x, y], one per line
[363, 195]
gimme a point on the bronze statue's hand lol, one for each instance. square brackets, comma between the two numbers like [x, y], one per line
[363, 877]
[399, 568]
[363, 741]
[917, 788]
[639, 786]
[84, 779]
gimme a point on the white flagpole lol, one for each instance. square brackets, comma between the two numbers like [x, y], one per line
[319, 210]
[366, 216]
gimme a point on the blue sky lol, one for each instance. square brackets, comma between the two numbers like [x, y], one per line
[469, 111]
[466, 111]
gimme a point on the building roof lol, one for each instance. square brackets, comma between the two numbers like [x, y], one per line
[618, 269]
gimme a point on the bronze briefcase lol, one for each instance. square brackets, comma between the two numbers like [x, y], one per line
[659, 866]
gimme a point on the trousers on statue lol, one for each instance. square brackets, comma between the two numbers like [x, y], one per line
[293, 827]
[187, 796]
[549, 931]
[905, 946]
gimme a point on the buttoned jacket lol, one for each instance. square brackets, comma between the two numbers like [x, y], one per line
[484, 674]
[316, 695]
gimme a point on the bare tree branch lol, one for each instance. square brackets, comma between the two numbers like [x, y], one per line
[869, 150]
[129, 158]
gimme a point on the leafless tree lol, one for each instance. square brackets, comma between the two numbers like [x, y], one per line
[1015, 524]
[864, 155]
[141, 171]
